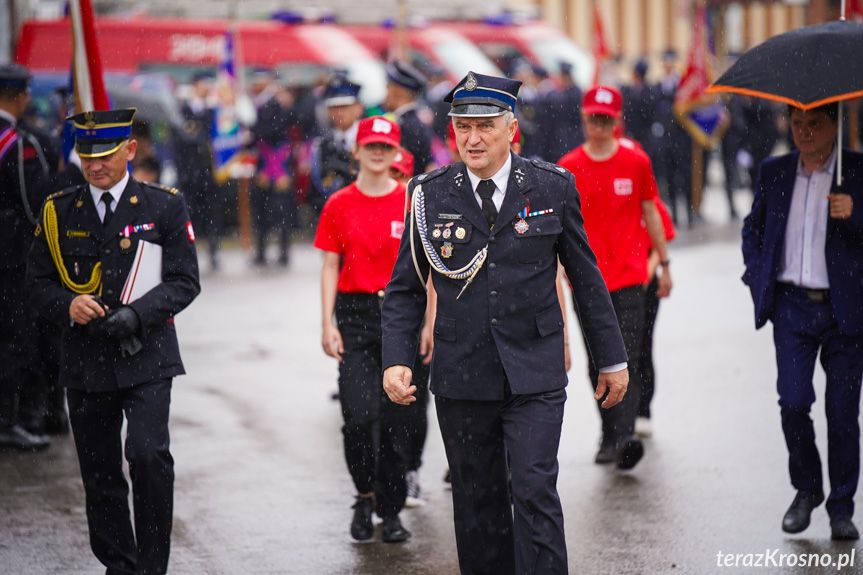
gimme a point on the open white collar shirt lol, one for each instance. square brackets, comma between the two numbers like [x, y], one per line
[804, 263]
[8, 117]
[115, 191]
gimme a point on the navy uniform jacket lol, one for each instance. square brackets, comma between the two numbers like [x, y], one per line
[16, 230]
[764, 240]
[508, 322]
[331, 170]
[91, 359]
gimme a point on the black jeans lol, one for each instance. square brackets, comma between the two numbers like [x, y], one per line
[376, 431]
[644, 364]
[619, 421]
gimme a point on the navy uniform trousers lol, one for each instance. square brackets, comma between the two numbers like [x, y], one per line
[97, 420]
[800, 328]
[485, 440]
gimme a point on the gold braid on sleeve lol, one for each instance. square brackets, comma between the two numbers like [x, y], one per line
[49, 217]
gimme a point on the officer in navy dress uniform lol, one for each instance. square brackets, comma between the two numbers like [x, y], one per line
[332, 153]
[117, 359]
[404, 89]
[491, 229]
[24, 177]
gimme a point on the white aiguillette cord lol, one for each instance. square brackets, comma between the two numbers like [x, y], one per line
[469, 271]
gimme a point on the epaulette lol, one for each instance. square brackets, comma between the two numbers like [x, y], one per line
[549, 167]
[170, 190]
[429, 176]
[66, 192]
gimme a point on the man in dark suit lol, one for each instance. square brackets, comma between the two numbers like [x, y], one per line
[404, 87]
[803, 250]
[491, 229]
[120, 353]
[24, 176]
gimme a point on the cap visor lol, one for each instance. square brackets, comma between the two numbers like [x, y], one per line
[601, 111]
[378, 139]
[98, 149]
[476, 111]
[340, 101]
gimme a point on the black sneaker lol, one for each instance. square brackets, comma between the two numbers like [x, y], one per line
[361, 525]
[394, 531]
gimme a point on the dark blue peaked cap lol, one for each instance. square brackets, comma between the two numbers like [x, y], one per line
[341, 91]
[101, 133]
[14, 76]
[407, 76]
[481, 96]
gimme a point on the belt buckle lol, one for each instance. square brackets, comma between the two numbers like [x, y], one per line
[817, 296]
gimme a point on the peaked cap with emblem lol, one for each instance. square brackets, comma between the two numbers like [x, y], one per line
[14, 77]
[340, 91]
[481, 96]
[101, 133]
[406, 76]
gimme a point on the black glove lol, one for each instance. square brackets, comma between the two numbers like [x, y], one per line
[121, 323]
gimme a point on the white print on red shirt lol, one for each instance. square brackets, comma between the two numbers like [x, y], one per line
[397, 228]
[623, 186]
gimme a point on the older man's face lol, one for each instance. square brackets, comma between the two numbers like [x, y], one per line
[483, 143]
[107, 171]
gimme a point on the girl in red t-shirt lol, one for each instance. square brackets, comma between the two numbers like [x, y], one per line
[359, 231]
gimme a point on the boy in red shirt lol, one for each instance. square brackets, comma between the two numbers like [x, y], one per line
[617, 190]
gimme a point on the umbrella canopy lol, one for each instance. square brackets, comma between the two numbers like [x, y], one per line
[807, 67]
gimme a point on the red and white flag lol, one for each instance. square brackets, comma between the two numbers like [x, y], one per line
[694, 80]
[87, 79]
[600, 45]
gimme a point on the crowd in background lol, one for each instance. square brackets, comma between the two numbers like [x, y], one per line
[297, 164]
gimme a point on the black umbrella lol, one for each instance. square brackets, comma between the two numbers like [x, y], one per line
[807, 68]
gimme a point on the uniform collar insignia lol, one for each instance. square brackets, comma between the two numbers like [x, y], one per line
[519, 176]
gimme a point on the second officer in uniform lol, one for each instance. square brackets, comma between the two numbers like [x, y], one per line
[118, 360]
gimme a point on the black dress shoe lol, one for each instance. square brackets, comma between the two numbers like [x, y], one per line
[607, 449]
[17, 438]
[797, 517]
[393, 531]
[361, 525]
[629, 453]
[842, 529]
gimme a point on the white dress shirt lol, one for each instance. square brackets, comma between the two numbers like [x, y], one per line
[500, 180]
[8, 117]
[804, 263]
[115, 191]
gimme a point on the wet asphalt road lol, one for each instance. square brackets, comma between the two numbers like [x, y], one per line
[262, 487]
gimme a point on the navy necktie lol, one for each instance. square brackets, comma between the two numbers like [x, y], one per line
[485, 189]
[107, 198]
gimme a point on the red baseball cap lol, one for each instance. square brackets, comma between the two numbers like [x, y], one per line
[378, 129]
[404, 162]
[603, 100]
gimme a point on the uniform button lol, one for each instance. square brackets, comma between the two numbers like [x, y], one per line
[109, 292]
[109, 273]
[492, 266]
[107, 251]
[493, 294]
[491, 240]
[494, 322]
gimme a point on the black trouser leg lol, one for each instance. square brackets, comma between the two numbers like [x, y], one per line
[645, 369]
[97, 420]
[151, 468]
[619, 421]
